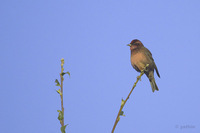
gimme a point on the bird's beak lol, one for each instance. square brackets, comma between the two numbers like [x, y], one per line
[128, 44]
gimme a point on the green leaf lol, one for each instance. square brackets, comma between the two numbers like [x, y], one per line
[65, 73]
[122, 113]
[68, 73]
[122, 103]
[57, 82]
[59, 91]
[60, 115]
[63, 128]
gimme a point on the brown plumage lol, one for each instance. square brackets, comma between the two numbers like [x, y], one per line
[140, 56]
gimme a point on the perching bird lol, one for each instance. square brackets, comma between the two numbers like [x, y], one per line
[140, 57]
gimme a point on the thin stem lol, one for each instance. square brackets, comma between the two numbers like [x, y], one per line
[124, 102]
[61, 96]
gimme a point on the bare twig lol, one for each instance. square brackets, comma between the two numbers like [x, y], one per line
[124, 101]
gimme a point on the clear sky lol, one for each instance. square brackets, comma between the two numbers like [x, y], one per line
[91, 36]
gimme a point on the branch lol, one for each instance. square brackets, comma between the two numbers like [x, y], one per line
[60, 92]
[124, 102]
[61, 86]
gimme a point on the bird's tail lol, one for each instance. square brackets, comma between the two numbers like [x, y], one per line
[152, 81]
[153, 85]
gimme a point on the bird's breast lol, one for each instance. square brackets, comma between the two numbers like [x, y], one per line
[138, 60]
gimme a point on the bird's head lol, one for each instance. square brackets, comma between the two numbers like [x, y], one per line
[135, 44]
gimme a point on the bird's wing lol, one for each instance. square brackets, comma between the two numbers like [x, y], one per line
[148, 53]
[157, 70]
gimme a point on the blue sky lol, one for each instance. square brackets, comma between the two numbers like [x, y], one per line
[91, 36]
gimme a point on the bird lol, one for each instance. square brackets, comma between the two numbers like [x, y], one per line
[140, 57]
